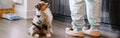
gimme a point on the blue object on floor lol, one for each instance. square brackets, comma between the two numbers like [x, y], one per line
[10, 16]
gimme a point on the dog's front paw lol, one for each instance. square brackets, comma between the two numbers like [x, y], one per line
[49, 35]
[36, 35]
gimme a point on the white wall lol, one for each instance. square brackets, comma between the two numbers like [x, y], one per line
[5, 4]
[21, 10]
[27, 10]
[31, 8]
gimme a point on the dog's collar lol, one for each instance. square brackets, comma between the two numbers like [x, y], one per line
[36, 26]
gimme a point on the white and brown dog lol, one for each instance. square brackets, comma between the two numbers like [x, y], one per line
[42, 22]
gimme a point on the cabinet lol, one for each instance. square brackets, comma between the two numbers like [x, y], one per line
[111, 13]
[115, 13]
[60, 7]
[105, 9]
[60, 10]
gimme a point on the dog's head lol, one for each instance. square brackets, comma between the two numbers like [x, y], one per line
[41, 6]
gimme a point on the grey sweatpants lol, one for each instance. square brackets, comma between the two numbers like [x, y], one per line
[77, 8]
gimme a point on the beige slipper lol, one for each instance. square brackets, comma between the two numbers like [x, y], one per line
[92, 32]
[69, 31]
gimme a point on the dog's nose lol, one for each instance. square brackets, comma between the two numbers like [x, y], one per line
[38, 16]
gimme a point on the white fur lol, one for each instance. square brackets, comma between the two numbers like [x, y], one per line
[50, 17]
[31, 30]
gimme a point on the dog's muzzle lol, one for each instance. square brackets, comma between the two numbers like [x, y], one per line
[38, 16]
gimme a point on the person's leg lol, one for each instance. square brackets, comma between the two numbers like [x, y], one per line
[93, 14]
[77, 8]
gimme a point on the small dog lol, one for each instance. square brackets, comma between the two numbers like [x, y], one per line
[42, 22]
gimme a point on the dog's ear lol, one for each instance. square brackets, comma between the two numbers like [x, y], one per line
[47, 4]
[38, 6]
[41, 2]
[44, 6]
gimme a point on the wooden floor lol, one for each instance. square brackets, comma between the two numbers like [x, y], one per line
[19, 29]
